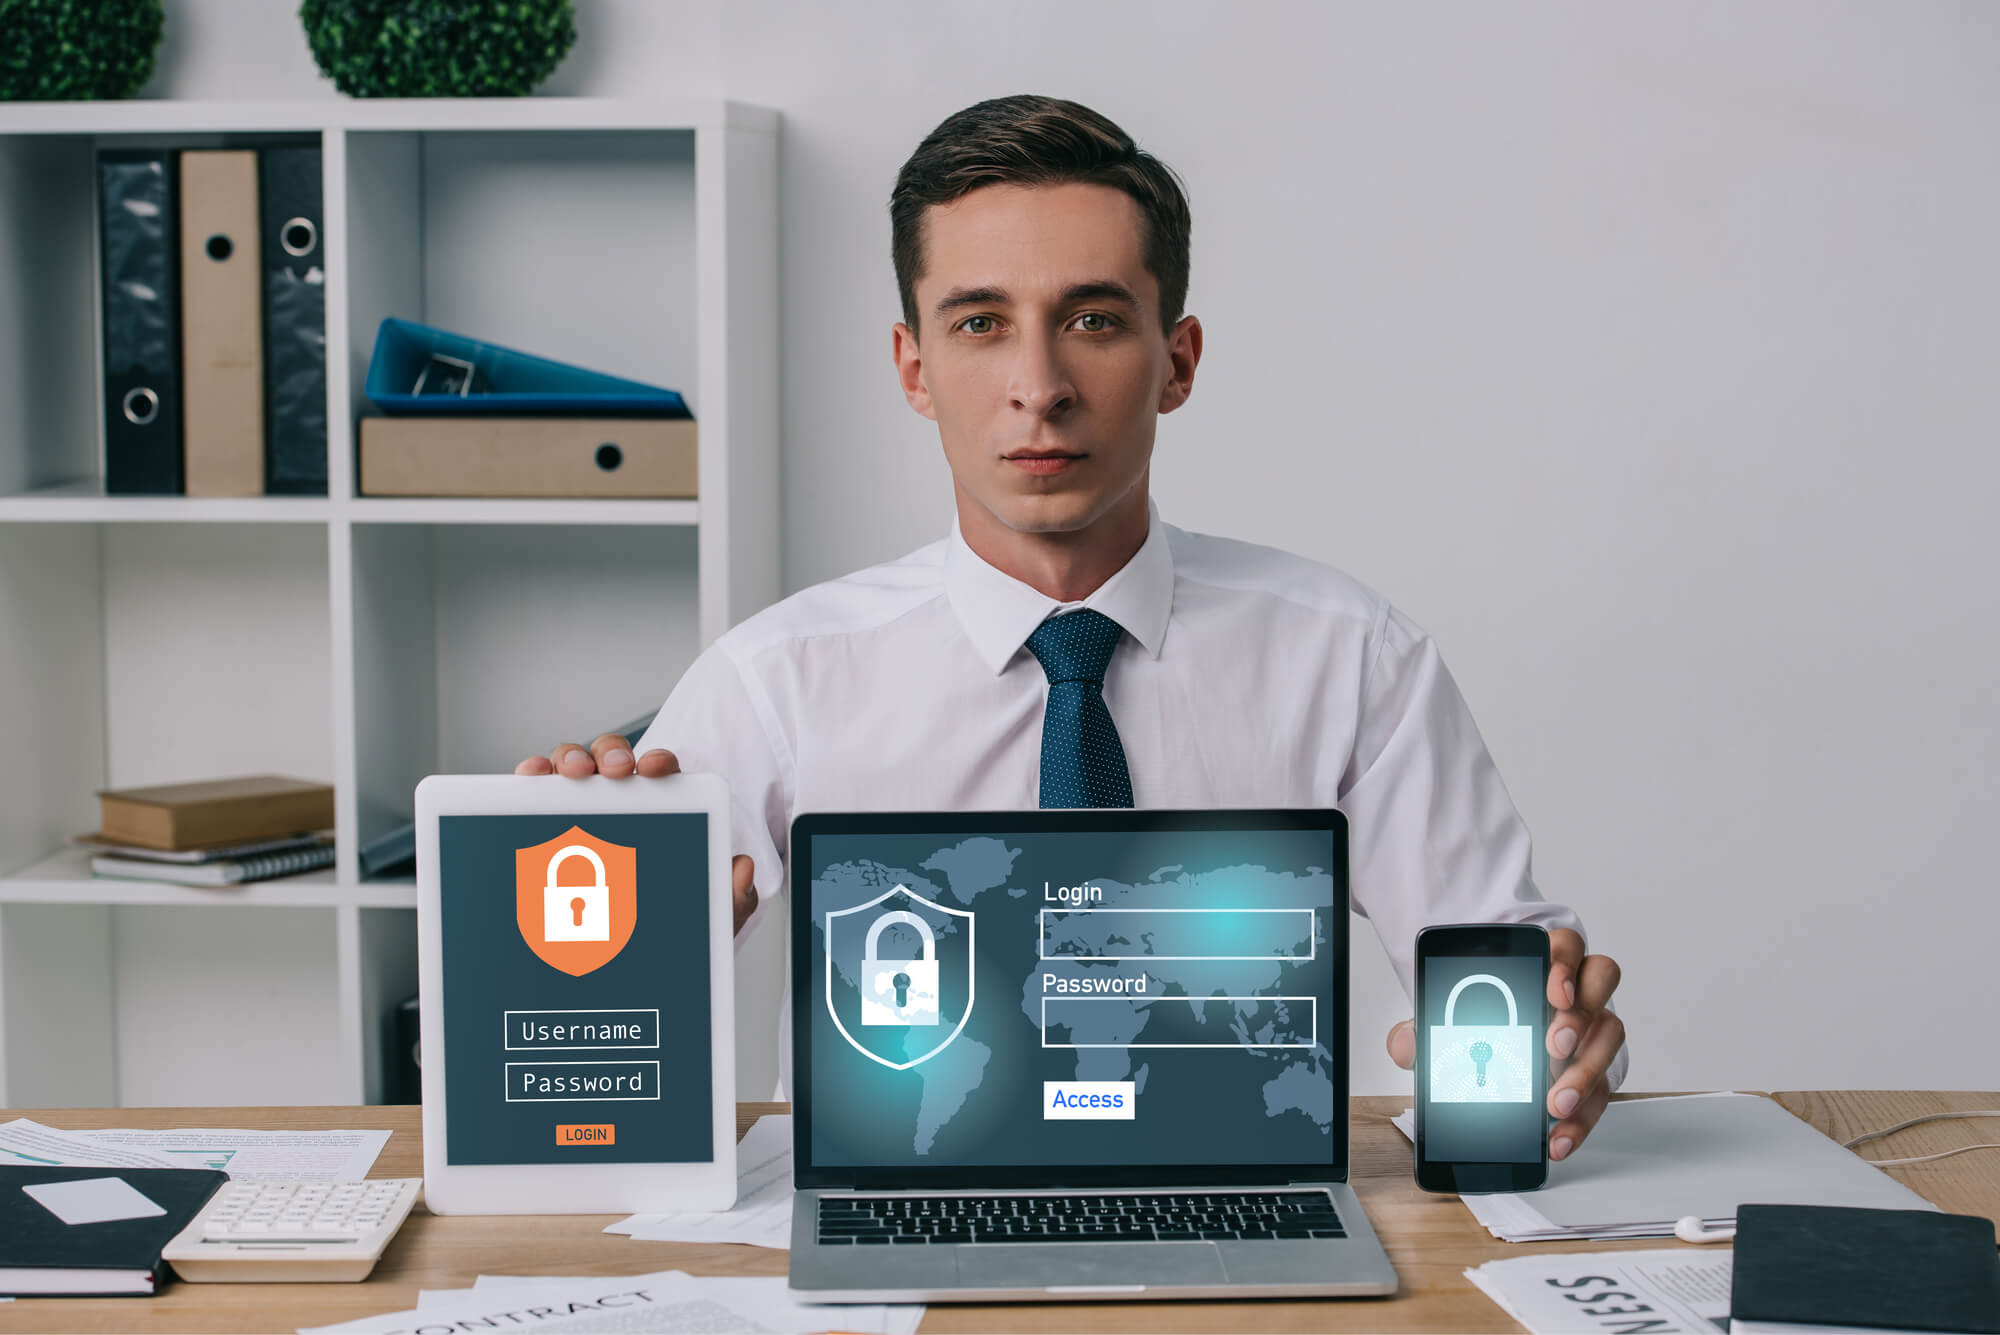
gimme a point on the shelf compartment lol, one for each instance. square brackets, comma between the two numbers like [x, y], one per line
[567, 243]
[475, 646]
[51, 337]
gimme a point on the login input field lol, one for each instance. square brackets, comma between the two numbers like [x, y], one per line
[1177, 934]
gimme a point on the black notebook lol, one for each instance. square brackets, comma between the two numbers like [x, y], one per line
[1838, 1266]
[43, 1257]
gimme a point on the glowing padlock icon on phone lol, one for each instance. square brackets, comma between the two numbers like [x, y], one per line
[576, 912]
[1481, 1063]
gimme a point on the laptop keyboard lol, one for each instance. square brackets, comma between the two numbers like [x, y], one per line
[1191, 1217]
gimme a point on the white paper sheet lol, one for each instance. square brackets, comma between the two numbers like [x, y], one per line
[762, 1215]
[1672, 1290]
[764, 1299]
[294, 1156]
[26, 1142]
[1651, 1161]
[669, 1300]
[94, 1200]
[262, 1156]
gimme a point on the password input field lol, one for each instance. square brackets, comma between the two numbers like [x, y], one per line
[1185, 1022]
[1177, 934]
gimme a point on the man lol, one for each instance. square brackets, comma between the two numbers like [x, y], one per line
[1064, 647]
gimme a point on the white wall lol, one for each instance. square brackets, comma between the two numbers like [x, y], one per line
[1644, 355]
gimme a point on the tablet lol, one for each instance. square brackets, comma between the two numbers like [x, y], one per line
[577, 986]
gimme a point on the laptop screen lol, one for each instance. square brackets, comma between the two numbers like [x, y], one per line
[1070, 997]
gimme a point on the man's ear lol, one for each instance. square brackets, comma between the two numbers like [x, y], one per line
[1183, 352]
[909, 361]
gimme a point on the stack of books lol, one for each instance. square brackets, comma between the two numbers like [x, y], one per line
[218, 832]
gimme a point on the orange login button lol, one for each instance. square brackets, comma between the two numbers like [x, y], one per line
[586, 1135]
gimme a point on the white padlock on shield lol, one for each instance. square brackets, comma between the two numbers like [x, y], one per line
[1481, 1063]
[899, 991]
[576, 912]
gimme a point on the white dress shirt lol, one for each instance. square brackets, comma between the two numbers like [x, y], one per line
[1248, 677]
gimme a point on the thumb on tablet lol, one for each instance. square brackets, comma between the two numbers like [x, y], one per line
[743, 893]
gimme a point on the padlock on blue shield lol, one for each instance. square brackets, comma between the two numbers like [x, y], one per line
[899, 991]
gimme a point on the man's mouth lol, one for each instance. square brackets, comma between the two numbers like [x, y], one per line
[1042, 462]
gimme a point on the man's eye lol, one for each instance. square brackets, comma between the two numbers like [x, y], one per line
[1098, 315]
[971, 320]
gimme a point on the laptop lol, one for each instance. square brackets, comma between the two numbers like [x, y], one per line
[1073, 1054]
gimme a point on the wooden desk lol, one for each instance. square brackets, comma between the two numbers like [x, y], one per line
[1431, 1239]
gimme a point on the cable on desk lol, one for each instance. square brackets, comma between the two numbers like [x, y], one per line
[1917, 1121]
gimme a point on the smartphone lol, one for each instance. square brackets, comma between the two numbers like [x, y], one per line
[1482, 1057]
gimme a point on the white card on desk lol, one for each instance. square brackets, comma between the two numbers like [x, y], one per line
[93, 1200]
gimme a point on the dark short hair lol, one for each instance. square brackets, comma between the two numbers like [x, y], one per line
[1031, 140]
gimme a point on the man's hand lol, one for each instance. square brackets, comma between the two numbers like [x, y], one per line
[609, 756]
[1579, 985]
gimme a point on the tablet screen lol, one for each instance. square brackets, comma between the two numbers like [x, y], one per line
[575, 988]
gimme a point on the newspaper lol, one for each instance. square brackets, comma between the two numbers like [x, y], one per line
[1657, 1292]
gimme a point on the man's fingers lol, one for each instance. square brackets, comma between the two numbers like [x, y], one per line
[1565, 1032]
[1600, 1045]
[658, 763]
[608, 755]
[743, 893]
[1596, 982]
[1567, 1134]
[1565, 955]
[612, 755]
[1403, 1044]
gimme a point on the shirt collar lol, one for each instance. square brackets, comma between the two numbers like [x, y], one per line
[999, 612]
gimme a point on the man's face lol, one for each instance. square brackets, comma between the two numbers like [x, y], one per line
[1041, 357]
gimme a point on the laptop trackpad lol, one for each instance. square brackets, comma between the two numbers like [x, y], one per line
[1037, 1265]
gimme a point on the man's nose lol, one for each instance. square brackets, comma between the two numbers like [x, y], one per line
[1040, 383]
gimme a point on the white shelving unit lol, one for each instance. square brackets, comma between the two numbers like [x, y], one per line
[360, 641]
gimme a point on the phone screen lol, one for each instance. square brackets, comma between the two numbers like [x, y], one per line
[1482, 1060]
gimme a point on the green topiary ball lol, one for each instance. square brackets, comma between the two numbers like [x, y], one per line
[65, 50]
[438, 48]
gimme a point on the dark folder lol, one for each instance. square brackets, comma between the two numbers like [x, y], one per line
[139, 252]
[1840, 1266]
[43, 1257]
[294, 320]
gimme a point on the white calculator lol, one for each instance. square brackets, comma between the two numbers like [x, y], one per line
[292, 1232]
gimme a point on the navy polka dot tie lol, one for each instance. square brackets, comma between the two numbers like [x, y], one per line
[1083, 762]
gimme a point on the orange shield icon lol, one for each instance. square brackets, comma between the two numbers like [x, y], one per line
[576, 899]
